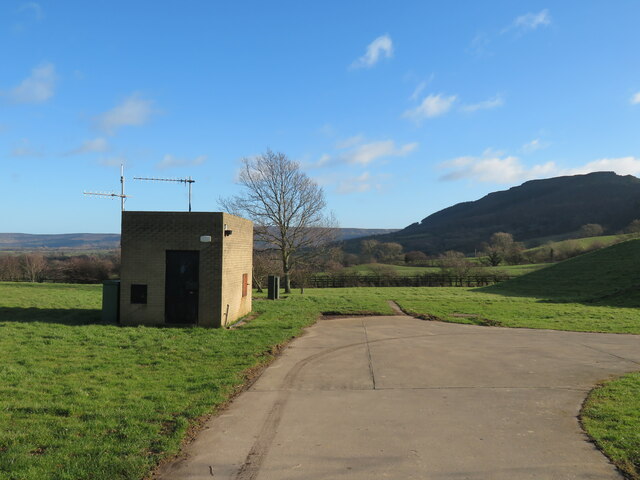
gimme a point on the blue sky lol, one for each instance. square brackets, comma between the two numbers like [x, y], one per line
[398, 109]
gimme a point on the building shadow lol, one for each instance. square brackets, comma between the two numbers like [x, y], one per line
[62, 316]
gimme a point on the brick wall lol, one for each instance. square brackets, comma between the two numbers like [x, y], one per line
[237, 260]
[146, 236]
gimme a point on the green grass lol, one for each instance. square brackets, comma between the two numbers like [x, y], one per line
[611, 416]
[586, 243]
[595, 292]
[594, 276]
[85, 400]
[82, 399]
[373, 268]
[482, 307]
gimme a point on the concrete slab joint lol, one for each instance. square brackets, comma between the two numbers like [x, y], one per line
[400, 398]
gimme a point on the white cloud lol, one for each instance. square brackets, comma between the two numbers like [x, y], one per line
[495, 167]
[360, 183]
[90, 146]
[170, 161]
[368, 152]
[133, 111]
[530, 22]
[479, 45]
[494, 102]
[363, 182]
[381, 47]
[635, 99]
[113, 161]
[622, 166]
[324, 158]
[24, 149]
[431, 106]
[533, 145]
[420, 87]
[350, 142]
[37, 87]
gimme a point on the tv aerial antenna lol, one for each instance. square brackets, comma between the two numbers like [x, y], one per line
[187, 181]
[120, 195]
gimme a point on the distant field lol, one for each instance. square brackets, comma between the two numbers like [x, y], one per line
[374, 268]
[585, 243]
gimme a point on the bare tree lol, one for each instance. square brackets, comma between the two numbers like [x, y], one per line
[10, 268]
[34, 266]
[287, 207]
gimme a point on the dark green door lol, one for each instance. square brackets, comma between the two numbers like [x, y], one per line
[181, 286]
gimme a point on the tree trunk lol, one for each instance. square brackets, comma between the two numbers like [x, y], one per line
[286, 270]
[287, 283]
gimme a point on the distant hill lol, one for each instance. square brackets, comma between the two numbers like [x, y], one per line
[110, 241]
[350, 233]
[66, 241]
[537, 209]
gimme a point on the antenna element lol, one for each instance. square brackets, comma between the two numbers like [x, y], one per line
[187, 181]
[120, 195]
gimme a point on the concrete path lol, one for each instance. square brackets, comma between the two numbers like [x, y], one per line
[399, 398]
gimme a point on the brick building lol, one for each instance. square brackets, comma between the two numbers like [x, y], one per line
[189, 268]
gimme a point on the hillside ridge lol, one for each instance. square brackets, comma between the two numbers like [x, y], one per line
[550, 207]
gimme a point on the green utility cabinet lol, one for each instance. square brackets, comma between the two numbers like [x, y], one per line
[111, 301]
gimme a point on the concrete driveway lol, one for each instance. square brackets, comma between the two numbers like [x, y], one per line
[400, 398]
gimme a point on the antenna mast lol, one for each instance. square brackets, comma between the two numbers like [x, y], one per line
[187, 181]
[121, 195]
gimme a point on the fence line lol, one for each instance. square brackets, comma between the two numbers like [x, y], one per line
[429, 280]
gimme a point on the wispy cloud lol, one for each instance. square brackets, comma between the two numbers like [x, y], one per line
[479, 45]
[350, 142]
[533, 146]
[381, 47]
[133, 111]
[420, 88]
[113, 161]
[34, 9]
[356, 151]
[358, 184]
[635, 99]
[621, 165]
[368, 152]
[171, 161]
[350, 184]
[529, 22]
[493, 102]
[431, 106]
[37, 87]
[25, 149]
[494, 168]
[91, 146]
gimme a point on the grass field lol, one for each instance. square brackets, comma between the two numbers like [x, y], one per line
[84, 400]
[586, 243]
[611, 416]
[374, 268]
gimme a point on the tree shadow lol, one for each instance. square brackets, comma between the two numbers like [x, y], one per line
[625, 298]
